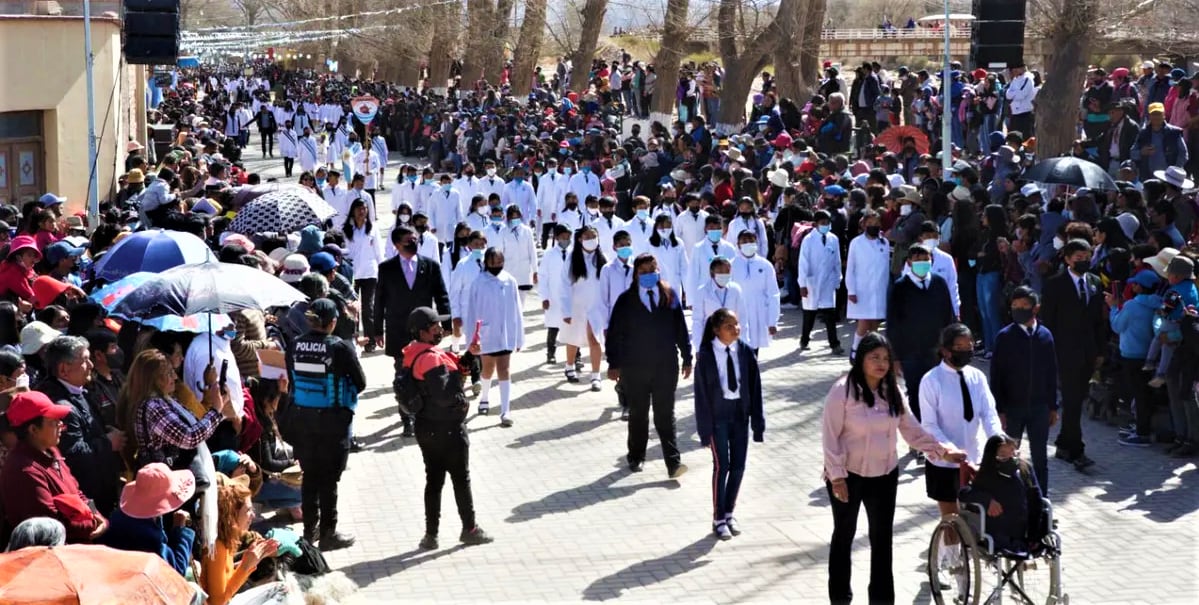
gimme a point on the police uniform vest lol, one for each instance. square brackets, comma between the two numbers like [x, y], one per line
[318, 383]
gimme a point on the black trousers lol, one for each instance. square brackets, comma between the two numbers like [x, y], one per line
[446, 451]
[877, 495]
[551, 343]
[830, 325]
[1022, 122]
[268, 142]
[1036, 422]
[643, 389]
[399, 364]
[1136, 388]
[1073, 382]
[913, 371]
[322, 447]
[288, 163]
[366, 294]
[547, 231]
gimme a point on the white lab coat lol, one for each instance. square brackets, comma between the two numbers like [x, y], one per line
[867, 273]
[348, 198]
[672, 265]
[640, 231]
[494, 301]
[519, 246]
[707, 299]
[819, 270]
[581, 301]
[607, 227]
[490, 184]
[615, 278]
[368, 164]
[309, 153]
[550, 285]
[477, 222]
[760, 298]
[739, 224]
[701, 261]
[288, 143]
[690, 228]
[461, 279]
[405, 193]
[584, 184]
[944, 266]
[522, 195]
[365, 251]
[467, 187]
[575, 220]
[550, 188]
[447, 212]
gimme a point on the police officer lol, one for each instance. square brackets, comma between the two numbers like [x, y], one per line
[440, 411]
[327, 379]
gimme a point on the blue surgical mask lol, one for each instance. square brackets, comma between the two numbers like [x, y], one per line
[624, 252]
[228, 334]
[920, 268]
[320, 182]
[518, 179]
[648, 280]
[823, 229]
[714, 235]
[411, 178]
[514, 223]
[643, 215]
[476, 254]
[446, 187]
[567, 171]
[586, 169]
[497, 220]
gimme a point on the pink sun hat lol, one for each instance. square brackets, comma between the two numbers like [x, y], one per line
[156, 491]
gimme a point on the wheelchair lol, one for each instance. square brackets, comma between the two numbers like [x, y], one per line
[974, 570]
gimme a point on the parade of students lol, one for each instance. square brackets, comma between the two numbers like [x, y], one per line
[580, 301]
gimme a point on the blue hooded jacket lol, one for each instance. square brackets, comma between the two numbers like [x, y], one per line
[1134, 324]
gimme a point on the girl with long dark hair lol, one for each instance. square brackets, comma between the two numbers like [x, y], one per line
[989, 281]
[580, 295]
[863, 412]
[365, 251]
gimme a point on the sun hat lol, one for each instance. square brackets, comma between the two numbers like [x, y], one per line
[1174, 176]
[237, 239]
[778, 177]
[295, 266]
[1181, 266]
[735, 155]
[1129, 224]
[782, 141]
[46, 290]
[1030, 190]
[35, 336]
[31, 405]
[1156, 108]
[960, 194]
[135, 176]
[895, 180]
[1159, 263]
[132, 146]
[278, 254]
[156, 491]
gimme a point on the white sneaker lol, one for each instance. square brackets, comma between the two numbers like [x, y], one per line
[734, 528]
[722, 531]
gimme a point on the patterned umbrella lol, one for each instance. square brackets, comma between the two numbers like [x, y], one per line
[153, 250]
[283, 211]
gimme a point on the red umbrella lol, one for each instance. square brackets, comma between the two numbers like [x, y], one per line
[79, 573]
[892, 138]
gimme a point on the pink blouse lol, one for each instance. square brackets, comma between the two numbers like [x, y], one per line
[861, 440]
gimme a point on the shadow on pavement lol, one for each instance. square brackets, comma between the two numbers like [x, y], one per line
[660, 569]
[366, 573]
[575, 498]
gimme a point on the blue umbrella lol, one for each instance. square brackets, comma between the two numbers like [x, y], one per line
[196, 324]
[109, 295]
[154, 250]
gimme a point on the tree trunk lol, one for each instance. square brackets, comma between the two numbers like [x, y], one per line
[742, 65]
[478, 13]
[788, 69]
[493, 57]
[593, 22]
[445, 28]
[1057, 101]
[666, 63]
[809, 59]
[528, 48]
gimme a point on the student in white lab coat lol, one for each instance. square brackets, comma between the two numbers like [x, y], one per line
[479, 216]
[307, 151]
[583, 183]
[571, 216]
[520, 251]
[407, 189]
[759, 291]
[702, 253]
[453, 253]
[469, 266]
[581, 301]
[491, 183]
[689, 224]
[819, 276]
[607, 223]
[549, 199]
[550, 286]
[447, 208]
[467, 184]
[495, 224]
[368, 163]
[426, 190]
[616, 276]
[641, 226]
[365, 251]
[288, 148]
[867, 273]
[427, 244]
[493, 303]
[379, 144]
[519, 192]
[943, 264]
[717, 291]
[665, 247]
[746, 220]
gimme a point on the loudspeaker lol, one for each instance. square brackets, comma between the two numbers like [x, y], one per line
[151, 32]
[997, 33]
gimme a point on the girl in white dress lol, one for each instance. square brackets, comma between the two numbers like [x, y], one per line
[479, 212]
[550, 287]
[365, 251]
[716, 292]
[759, 292]
[493, 303]
[519, 245]
[867, 271]
[581, 299]
[665, 247]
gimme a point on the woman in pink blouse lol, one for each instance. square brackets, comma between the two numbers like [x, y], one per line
[862, 414]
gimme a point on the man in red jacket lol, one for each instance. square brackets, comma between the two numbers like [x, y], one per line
[35, 481]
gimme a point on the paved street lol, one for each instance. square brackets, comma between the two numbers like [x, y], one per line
[571, 523]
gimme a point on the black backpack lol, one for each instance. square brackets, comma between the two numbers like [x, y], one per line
[407, 388]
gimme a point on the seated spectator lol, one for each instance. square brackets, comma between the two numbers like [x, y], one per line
[34, 338]
[251, 336]
[16, 270]
[222, 577]
[162, 430]
[37, 531]
[11, 322]
[140, 524]
[272, 454]
[107, 377]
[35, 480]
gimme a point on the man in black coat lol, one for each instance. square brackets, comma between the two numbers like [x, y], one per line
[1123, 131]
[919, 306]
[1074, 311]
[406, 282]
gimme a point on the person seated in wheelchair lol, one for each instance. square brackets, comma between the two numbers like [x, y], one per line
[1006, 488]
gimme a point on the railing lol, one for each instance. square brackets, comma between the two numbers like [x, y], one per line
[62, 8]
[919, 33]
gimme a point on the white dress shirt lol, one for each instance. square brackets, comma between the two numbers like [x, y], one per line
[722, 352]
[942, 412]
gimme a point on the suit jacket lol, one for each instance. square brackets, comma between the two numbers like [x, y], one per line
[85, 446]
[1080, 331]
[1128, 135]
[394, 300]
[709, 395]
[1024, 369]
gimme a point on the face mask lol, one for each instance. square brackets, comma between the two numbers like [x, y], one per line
[590, 244]
[624, 252]
[228, 334]
[22, 381]
[410, 247]
[469, 174]
[747, 214]
[643, 215]
[514, 223]
[320, 182]
[714, 235]
[920, 268]
[497, 220]
[1057, 244]
[931, 243]
[694, 211]
[586, 169]
[494, 270]
[1068, 215]
[960, 359]
[1007, 467]
[405, 218]
[571, 205]
[1022, 316]
[411, 178]
[594, 212]
[1081, 266]
[823, 229]
[905, 210]
[916, 180]
[688, 128]
[873, 230]
[563, 243]
[748, 249]
[567, 171]
[648, 280]
[519, 179]
[421, 228]
[665, 233]
[723, 279]
[446, 187]
[491, 172]
[476, 254]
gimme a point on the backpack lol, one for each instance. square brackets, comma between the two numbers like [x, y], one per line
[407, 388]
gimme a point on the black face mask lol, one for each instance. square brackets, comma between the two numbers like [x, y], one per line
[960, 359]
[873, 230]
[1022, 316]
[495, 270]
[747, 214]
[571, 206]
[1007, 467]
[1081, 266]
[410, 247]
[695, 212]
[421, 228]
[608, 214]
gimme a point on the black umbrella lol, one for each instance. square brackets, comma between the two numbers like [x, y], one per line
[1073, 172]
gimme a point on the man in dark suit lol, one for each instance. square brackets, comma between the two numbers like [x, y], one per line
[919, 306]
[406, 282]
[1115, 144]
[1074, 311]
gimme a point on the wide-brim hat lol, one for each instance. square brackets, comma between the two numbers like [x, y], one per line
[156, 491]
[1161, 261]
[778, 178]
[1175, 176]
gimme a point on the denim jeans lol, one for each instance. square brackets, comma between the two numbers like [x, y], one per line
[990, 124]
[987, 289]
[730, 441]
[277, 494]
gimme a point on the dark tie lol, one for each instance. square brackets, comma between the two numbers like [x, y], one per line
[715, 249]
[967, 404]
[1082, 290]
[651, 298]
[730, 369]
[480, 263]
[823, 239]
[626, 273]
[563, 255]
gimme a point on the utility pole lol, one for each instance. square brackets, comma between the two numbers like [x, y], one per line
[93, 185]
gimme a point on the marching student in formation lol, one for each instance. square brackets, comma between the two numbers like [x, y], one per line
[322, 149]
[607, 223]
[581, 300]
[379, 145]
[867, 271]
[550, 286]
[615, 278]
[288, 148]
[407, 188]
[479, 216]
[447, 208]
[455, 251]
[368, 163]
[334, 149]
[520, 251]
[582, 183]
[519, 193]
[717, 291]
[495, 223]
[358, 191]
[468, 269]
[746, 220]
[308, 151]
[712, 246]
[364, 249]
[641, 226]
[467, 184]
[571, 216]
[494, 305]
[819, 276]
[664, 204]
[426, 243]
[759, 292]
[689, 224]
[491, 183]
[549, 197]
[665, 247]
[426, 190]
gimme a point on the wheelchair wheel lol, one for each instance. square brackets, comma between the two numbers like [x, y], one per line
[954, 565]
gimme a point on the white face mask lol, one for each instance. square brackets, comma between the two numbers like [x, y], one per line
[749, 249]
[590, 244]
[905, 210]
[483, 210]
[687, 128]
[723, 279]
[931, 243]
[491, 172]
[665, 233]
[22, 381]
[1058, 243]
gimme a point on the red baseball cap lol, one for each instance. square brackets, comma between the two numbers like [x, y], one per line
[31, 405]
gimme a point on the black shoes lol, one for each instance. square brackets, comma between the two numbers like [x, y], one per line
[636, 467]
[624, 414]
[429, 542]
[356, 445]
[475, 537]
[408, 432]
[335, 540]
[677, 471]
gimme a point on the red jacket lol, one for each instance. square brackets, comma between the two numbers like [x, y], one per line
[29, 483]
[16, 281]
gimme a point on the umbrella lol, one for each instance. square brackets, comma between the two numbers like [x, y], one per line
[109, 295]
[892, 138]
[243, 195]
[196, 324]
[208, 287]
[282, 211]
[153, 250]
[79, 573]
[1071, 171]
